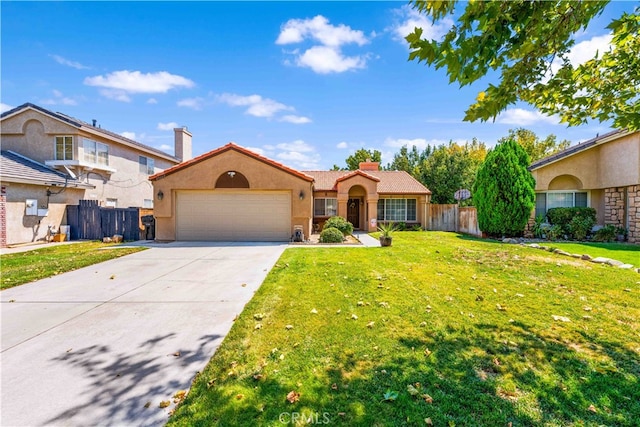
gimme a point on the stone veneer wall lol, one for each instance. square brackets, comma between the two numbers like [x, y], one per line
[614, 209]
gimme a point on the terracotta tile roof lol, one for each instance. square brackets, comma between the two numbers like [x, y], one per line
[358, 172]
[390, 182]
[574, 149]
[88, 127]
[235, 147]
[18, 168]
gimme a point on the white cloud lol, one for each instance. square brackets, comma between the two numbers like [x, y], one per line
[137, 82]
[298, 120]
[167, 126]
[521, 117]
[58, 99]
[586, 50]
[411, 18]
[166, 147]
[342, 145]
[5, 107]
[73, 64]
[257, 105]
[326, 56]
[319, 29]
[193, 103]
[298, 160]
[117, 95]
[297, 145]
[152, 101]
[328, 59]
[130, 135]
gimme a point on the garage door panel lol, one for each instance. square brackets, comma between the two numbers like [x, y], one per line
[246, 216]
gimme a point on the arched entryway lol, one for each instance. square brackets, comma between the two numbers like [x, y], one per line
[356, 208]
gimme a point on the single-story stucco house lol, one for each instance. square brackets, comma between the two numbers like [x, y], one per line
[602, 173]
[232, 193]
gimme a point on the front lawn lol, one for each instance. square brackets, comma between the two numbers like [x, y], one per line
[434, 330]
[23, 267]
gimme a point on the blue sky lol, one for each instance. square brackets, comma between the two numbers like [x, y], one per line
[304, 83]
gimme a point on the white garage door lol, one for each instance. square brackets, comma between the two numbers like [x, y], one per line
[244, 216]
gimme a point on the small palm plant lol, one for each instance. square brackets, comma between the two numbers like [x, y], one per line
[386, 231]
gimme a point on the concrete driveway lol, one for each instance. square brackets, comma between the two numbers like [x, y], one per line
[96, 345]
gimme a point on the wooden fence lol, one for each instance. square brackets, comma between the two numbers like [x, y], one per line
[453, 218]
[88, 221]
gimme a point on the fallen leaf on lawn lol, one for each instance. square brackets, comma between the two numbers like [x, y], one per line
[235, 318]
[113, 276]
[384, 304]
[360, 303]
[210, 382]
[354, 317]
[338, 312]
[244, 285]
[334, 386]
[258, 316]
[501, 307]
[164, 403]
[520, 295]
[427, 352]
[69, 350]
[314, 311]
[258, 326]
[586, 308]
[428, 308]
[592, 408]
[342, 414]
[146, 405]
[293, 396]
[258, 377]
[561, 318]
[427, 398]
[479, 298]
[179, 396]
[496, 362]
[423, 324]
[370, 324]
[282, 357]
[428, 421]
[239, 396]
[288, 327]
[412, 390]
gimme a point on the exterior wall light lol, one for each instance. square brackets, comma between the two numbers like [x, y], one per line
[160, 195]
[301, 195]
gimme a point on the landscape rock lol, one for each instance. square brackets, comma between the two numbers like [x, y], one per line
[509, 240]
[614, 263]
[586, 257]
[534, 245]
[600, 260]
[625, 266]
[575, 255]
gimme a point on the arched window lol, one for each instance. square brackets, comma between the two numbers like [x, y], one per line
[232, 179]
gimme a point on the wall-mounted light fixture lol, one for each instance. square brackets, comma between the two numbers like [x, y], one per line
[301, 195]
[231, 174]
[160, 195]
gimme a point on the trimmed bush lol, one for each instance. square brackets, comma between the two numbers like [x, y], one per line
[575, 222]
[331, 235]
[340, 223]
[605, 234]
[504, 191]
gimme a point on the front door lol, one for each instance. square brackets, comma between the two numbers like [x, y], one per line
[353, 212]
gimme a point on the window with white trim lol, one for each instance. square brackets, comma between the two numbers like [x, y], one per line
[64, 147]
[325, 207]
[147, 165]
[147, 203]
[397, 210]
[111, 203]
[95, 152]
[560, 199]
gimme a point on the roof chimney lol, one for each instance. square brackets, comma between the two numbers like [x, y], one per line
[369, 166]
[182, 143]
[94, 122]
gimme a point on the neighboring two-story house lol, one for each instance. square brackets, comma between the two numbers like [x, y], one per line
[50, 160]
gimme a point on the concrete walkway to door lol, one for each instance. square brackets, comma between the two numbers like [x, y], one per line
[104, 345]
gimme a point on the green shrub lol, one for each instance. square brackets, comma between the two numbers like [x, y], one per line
[331, 235]
[580, 227]
[554, 232]
[605, 234]
[504, 191]
[340, 223]
[575, 222]
[537, 228]
[416, 227]
[401, 226]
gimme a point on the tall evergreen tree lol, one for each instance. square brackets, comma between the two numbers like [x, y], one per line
[504, 190]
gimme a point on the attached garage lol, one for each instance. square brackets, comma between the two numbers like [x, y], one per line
[233, 216]
[231, 194]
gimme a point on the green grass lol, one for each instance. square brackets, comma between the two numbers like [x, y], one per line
[23, 267]
[624, 252]
[467, 323]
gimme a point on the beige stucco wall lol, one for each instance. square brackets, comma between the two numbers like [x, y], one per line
[203, 176]
[32, 134]
[612, 164]
[22, 228]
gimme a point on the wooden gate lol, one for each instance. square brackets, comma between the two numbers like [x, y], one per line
[453, 218]
[88, 221]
